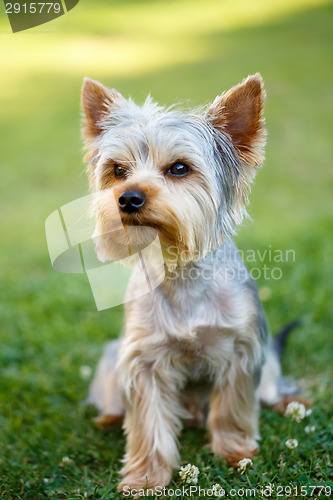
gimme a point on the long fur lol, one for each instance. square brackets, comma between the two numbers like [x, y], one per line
[204, 325]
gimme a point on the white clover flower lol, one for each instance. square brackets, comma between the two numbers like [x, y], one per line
[189, 474]
[85, 372]
[217, 490]
[244, 464]
[308, 412]
[309, 429]
[296, 411]
[265, 293]
[66, 460]
[291, 444]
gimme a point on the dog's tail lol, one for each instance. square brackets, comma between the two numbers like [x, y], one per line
[286, 386]
[280, 340]
[273, 386]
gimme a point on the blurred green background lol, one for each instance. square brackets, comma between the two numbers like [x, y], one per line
[179, 51]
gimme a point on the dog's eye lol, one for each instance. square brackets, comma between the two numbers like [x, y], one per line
[119, 171]
[178, 170]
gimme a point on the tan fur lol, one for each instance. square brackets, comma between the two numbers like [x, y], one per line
[239, 113]
[96, 101]
[281, 406]
[232, 420]
[206, 331]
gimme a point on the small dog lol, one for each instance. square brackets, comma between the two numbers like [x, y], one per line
[200, 339]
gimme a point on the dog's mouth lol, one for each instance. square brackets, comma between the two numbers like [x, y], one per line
[133, 219]
[165, 226]
[135, 233]
[120, 233]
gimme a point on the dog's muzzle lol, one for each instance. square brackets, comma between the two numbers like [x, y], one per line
[131, 201]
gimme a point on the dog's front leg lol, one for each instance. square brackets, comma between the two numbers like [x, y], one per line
[233, 416]
[152, 423]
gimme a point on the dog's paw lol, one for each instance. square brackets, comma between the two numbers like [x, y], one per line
[108, 420]
[234, 458]
[281, 406]
[233, 448]
[135, 483]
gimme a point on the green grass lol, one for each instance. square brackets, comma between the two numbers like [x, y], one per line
[50, 327]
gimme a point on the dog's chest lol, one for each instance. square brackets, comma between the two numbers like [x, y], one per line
[195, 321]
[197, 343]
[198, 331]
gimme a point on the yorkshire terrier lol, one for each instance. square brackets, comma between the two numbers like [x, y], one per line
[200, 338]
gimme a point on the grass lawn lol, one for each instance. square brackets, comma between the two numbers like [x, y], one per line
[178, 51]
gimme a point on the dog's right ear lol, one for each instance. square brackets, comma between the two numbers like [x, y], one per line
[96, 103]
[238, 113]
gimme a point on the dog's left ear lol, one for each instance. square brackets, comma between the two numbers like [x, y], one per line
[96, 102]
[238, 113]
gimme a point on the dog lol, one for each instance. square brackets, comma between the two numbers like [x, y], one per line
[197, 347]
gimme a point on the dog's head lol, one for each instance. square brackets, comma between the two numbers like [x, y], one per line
[186, 175]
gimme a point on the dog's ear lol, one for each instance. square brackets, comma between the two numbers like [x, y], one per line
[96, 103]
[238, 113]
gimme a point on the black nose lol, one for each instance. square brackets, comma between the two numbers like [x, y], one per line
[131, 201]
